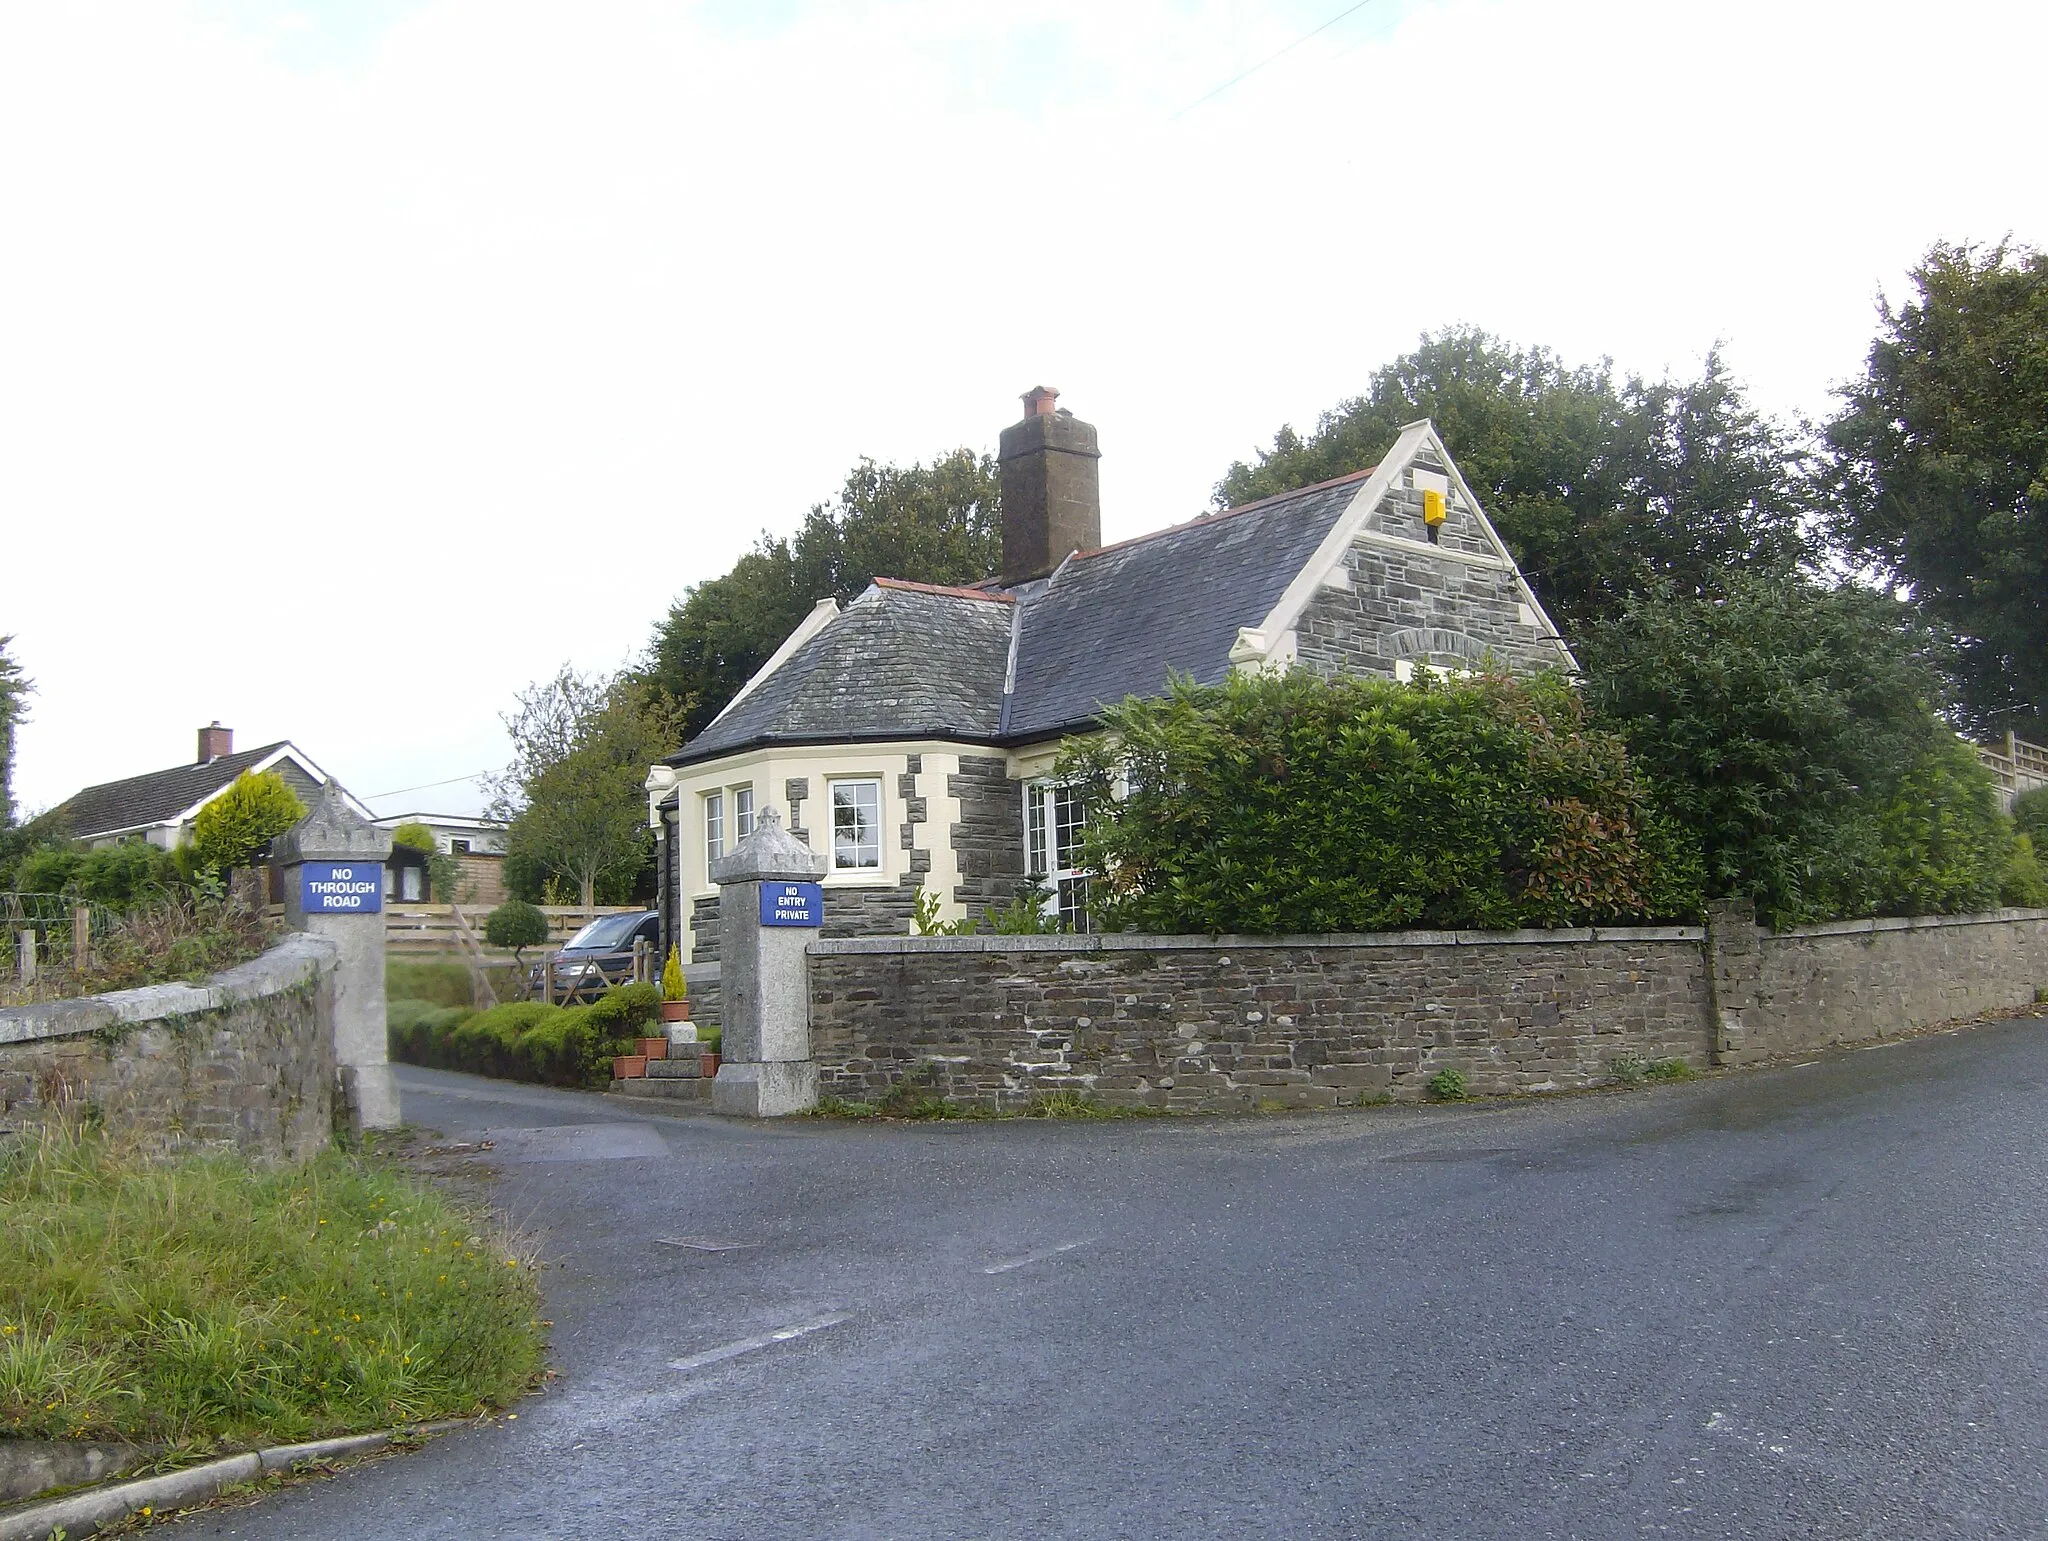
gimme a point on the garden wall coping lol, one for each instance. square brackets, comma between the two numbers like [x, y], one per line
[296, 959]
[1137, 942]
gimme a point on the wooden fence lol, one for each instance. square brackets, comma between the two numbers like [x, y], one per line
[2016, 765]
[435, 930]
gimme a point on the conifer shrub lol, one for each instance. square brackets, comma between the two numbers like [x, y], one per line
[1295, 804]
[238, 826]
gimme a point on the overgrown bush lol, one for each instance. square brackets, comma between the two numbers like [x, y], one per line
[117, 876]
[1297, 804]
[417, 836]
[1792, 730]
[2024, 883]
[238, 826]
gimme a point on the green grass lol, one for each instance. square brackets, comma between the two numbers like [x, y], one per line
[205, 1301]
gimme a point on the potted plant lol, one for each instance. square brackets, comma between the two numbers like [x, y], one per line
[708, 1044]
[675, 990]
[628, 1067]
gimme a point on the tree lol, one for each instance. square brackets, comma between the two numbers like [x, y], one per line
[1943, 467]
[1599, 490]
[14, 691]
[1792, 730]
[517, 925]
[936, 523]
[573, 798]
[416, 836]
[238, 826]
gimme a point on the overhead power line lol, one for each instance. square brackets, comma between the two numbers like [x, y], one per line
[1247, 74]
[426, 786]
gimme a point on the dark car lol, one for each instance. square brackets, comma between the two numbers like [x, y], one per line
[601, 953]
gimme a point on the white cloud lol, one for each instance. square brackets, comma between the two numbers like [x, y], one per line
[346, 393]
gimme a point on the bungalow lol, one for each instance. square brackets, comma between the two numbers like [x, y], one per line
[159, 807]
[912, 733]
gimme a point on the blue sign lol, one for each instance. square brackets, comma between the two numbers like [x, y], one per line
[792, 904]
[341, 888]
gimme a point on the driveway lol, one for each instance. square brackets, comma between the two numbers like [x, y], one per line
[1807, 1302]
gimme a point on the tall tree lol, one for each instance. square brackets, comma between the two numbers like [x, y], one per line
[14, 689]
[1943, 448]
[572, 797]
[936, 523]
[1599, 490]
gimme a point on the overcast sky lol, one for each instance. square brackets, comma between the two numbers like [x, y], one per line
[362, 360]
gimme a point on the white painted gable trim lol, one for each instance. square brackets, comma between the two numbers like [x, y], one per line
[284, 751]
[820, 617]
[1351, 525]
[1330, 554]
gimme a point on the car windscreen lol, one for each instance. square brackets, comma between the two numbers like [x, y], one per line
[604, 933]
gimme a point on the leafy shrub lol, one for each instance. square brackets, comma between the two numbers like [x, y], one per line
[1792, 730]
[417, 836]
[238, 826]
[2029, 813]
[2023, 884]
[624, 1010]
[1447, 1085]
[50, 870]
[517, 925]
[1297, 804]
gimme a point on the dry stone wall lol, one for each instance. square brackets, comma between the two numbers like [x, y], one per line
[1204, 1023]
[245, 1060]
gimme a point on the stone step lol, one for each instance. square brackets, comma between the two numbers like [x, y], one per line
[674, 1088]
[688, 1068]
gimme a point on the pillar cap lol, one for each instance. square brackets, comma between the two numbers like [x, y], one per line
[771, 854]
[331, 831]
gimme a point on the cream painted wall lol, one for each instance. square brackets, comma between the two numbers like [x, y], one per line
[768, 772]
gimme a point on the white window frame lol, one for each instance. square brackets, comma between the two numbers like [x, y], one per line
[1067, 899]
[833, 784]
[742, 811]
[714, 827]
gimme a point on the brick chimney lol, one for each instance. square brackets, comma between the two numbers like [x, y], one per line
[1052, 488]
[215, 741]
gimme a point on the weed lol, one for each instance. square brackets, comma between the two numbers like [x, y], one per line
[207, 1299]
[1669, 1070]
[1447, 1085]
[830, 1106]
[1627, 1068]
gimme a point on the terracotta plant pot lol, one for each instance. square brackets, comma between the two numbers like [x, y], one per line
[707, 1064]
[675, 1011]
[654, 1048]
[628, 1067]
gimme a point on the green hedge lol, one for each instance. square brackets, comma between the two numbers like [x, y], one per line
[1291, 803]
[525, 1040]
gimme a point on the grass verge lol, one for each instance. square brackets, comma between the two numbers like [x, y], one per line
[205, 1302]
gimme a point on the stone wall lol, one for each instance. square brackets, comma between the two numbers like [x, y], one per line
[245, 1060]
[1191, 1022]
[1239, 1022]
[989, 839]
[1855, 981]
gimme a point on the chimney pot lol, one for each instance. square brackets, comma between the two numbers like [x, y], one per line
[1052, 488]
[215, 741]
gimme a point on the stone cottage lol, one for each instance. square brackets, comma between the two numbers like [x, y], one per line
[910, 735]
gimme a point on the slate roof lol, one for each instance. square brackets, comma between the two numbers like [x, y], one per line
[913, 661]
[158, 797]
[1115, 622]
[901, 661]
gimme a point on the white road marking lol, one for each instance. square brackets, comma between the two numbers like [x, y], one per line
[733, 1350]
[1036, 1257]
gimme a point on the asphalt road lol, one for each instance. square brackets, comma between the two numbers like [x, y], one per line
[1807, 1302]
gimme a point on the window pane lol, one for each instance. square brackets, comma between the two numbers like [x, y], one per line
[856, 824]
[1067, 818]
[714, 826]
[1034, 830]
[1074, 903]
[742, 812]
